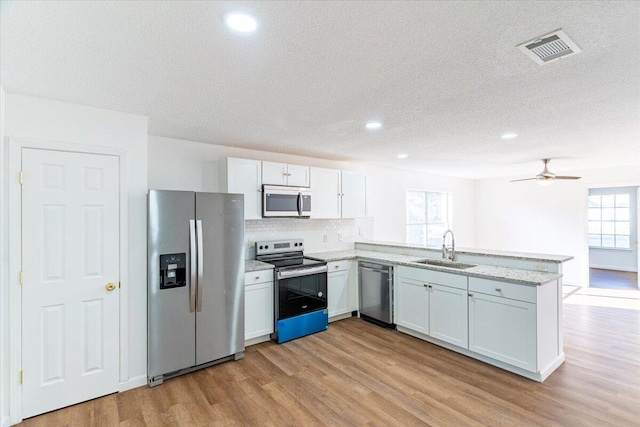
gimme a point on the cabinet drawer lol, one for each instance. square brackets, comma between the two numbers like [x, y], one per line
[258, 277]
[503, 289]
[434, 277]
[338, 265]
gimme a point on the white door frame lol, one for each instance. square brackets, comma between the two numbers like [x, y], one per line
[15, 250]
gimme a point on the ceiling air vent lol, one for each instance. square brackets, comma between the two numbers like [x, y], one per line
[549, 47]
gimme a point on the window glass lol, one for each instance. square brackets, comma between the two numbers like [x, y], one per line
[428, 217]
[609, 221]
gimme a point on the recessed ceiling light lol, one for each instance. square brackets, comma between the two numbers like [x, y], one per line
[508, 135]
[241, 22]
[403, 156]
[373, 125]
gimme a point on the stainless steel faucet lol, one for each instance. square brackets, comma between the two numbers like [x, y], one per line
[446, 248]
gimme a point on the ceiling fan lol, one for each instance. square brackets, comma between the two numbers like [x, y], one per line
[545, 177]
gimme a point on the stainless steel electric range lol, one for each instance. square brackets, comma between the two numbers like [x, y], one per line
[300, 289]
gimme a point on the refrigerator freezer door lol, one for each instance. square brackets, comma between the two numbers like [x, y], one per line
[220, 308]
[171, 338]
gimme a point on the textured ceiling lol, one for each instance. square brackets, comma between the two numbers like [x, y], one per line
[446, 78]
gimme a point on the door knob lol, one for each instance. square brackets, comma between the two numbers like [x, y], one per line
[110, 286]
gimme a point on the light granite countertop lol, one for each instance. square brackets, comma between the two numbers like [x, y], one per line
[480, 252]
[253, 265]
[513, 275]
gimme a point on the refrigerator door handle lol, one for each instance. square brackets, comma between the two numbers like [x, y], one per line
[200, 266]
[192, 269]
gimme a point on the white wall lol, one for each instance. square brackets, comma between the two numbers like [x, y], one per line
[615, 259]
[184, 165]
[388, 202]
[529, 217]
[47, 120]
[4, 278]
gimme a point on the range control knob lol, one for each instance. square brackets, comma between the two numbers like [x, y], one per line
[295, 244]
[261, 247]
[266, 246]
[300, 244]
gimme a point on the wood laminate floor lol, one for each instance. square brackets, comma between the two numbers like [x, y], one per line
[612, 279]
[358, 374]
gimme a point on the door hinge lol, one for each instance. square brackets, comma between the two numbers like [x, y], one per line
[21, 277]
[21, 377]
[20, 176]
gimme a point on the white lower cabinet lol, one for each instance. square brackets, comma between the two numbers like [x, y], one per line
[503, 329]
[412, 305]
[258, 304]
[430, 308]
[448, 317]
[340, 283]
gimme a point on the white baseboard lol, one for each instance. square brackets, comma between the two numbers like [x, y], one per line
[257, 340]
[4, 422]
[614, 268]
[135, 382]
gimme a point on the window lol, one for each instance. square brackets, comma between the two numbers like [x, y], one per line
[428, 217]
[609, 225]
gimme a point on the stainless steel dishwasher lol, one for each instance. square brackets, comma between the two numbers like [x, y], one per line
[376, 292]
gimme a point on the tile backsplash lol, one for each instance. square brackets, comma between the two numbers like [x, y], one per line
[319, 235]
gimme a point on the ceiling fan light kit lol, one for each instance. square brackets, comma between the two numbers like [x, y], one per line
[545, 177]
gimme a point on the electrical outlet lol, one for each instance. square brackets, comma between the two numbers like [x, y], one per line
[360, 231]
[325, 238]
[339, 237]
[540, 267]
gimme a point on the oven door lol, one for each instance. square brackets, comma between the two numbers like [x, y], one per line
[285, 201]
[301, 291]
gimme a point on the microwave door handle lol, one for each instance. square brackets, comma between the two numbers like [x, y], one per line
[299, 203]
[193, 266]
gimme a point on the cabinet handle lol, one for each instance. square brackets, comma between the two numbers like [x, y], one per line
[425, 285]
[257, 277]
[337, 266]
[498, 289]
[470, 295]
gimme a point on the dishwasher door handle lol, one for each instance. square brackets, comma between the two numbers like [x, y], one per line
[375, 270]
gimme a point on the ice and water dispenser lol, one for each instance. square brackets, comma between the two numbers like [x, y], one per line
[173, 271]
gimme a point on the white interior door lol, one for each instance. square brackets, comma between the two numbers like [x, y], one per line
[70, 256]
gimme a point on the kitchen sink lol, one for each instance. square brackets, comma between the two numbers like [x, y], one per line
[448, 264]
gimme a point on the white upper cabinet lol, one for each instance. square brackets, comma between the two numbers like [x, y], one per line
[284, 174]
[245, 177]
[325, 188]
[338, 194]
[354, 195]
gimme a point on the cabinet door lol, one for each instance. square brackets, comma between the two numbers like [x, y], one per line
[325, 187]
[338, 293]
[258, 310]
[503, 329]
[412, 305]
[274, 173]
[354, 195]
[448, 318]
[245, 177]
[298, 176]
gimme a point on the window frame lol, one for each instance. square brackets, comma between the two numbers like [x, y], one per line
[614, 220]
[425, 223]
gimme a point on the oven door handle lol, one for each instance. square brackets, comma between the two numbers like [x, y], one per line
[302, 272]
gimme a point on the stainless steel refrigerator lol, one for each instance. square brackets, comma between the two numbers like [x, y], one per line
[195, 304]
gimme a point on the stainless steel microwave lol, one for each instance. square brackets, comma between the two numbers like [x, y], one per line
[280, 201]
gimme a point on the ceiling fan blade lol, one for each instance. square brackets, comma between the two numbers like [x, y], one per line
[568, 177]
[524, 179]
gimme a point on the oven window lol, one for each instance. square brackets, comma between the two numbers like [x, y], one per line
[282, 202]
[299, 295]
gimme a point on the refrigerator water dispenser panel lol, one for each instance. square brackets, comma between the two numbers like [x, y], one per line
[173, 271]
